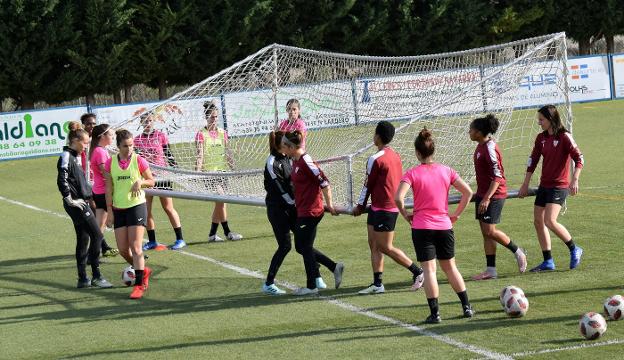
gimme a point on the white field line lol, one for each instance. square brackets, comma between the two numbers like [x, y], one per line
[568, 348]
[487, 354]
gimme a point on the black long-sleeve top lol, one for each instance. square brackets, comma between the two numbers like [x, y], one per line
[71, 179]
[277, 181]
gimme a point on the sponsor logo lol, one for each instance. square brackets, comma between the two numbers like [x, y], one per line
[578, 72]
[123, 177]
[24, 128]
[555, 143]
[531, 82]
[140, 219]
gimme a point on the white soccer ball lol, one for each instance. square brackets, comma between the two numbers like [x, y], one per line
[516, 305]
[128, 276]
[592, 325]
[614, 307]
[509, 290]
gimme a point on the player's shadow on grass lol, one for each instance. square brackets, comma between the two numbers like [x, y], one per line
[238, 341]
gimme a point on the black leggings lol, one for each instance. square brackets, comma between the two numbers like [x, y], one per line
[86, 228]
[305, 234]
[282, 221]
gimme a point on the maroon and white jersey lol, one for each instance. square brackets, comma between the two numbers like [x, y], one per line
[557, 150]
[488, 164]
[308, 180]
[383, 175]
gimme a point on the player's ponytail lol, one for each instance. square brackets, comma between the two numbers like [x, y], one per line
[487, 125]
[293, 139]
[424, 143]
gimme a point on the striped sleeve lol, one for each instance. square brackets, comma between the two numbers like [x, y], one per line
[574, 151]
[316, 171]
[270, 165]
[494, 163]
[535, 154]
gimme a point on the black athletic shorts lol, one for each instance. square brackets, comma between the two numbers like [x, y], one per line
[545, 196]
[100, 201]
[163, 185]
[432, 244]
[492, 214]
[134, 216]
[382, 221]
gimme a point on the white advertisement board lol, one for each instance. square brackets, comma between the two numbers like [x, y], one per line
[588, 78]
[35, 133]
[618, 75]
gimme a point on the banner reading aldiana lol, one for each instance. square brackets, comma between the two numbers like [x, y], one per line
[36, 133]
[618, 75]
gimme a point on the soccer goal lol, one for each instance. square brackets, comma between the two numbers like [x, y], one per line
[342, 98]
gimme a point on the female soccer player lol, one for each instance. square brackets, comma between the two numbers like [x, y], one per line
[491, 194]
[126, 174]
[76, 191]
[294, 121]
[102, 136]
[432, 229]
[153, 146]
[309, 182]
[213, 155]
[556, 145]
[383, 174]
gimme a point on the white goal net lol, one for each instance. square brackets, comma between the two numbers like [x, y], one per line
[343, 97]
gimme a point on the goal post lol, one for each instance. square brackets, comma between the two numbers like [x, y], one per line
[343, 97]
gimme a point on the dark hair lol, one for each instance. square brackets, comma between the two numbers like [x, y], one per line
[424, 143]
[486, 125]
[76, 134]
[293, 102]
[385, 130]
[294, 138]
[209, 107]
[122, 134]
[551, 114]
[85, 117]
[96, 134]
[275, 139]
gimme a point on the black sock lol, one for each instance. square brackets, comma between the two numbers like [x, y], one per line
[270, 279]
[570, 244]
[547, 255]
[226, 228]
[82, 273]
[138, 277]
[463, 297]
[377, 278]
[490, 260]
[105, 246]
[415, 269]
[511, 246]
[151, 235]
[213, 229]
[178, 233]
[95, 270]
[433, 306]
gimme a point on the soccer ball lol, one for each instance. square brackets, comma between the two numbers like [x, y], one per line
[127, 276]
[592, 325]
[614, 307]
[516, 305]
[509, 290]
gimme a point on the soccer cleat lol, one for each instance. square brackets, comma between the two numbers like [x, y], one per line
[232, 236]
[486, 275]
[147, 272]
[320, 284]
[418, 281]
[215, 238]
[521, 259]
[547, 265]
[83, 283]
[272, 290]
[305, 291]
[137, 292]
[101, 283]
[178, 244]
[110, 252]
[468, 311]
[338, 274]
[433, 319]
[373, 289]
[575, 257]
[152, 245]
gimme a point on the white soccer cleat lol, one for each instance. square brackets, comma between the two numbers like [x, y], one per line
[372, 289]
[521, 260]
[320, 284]
[215, 238]
[338, 274]
[272, 290]
[305, 291]
[419, 280]
[232, 236]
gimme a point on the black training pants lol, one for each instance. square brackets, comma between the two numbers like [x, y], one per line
[305, 234]
[86, 228]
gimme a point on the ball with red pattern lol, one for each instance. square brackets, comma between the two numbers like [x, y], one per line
[509, 290]
[614, 307]
[516, 305]
[128, 276]
[592, 325]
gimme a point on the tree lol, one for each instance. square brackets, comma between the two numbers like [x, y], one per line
[34, 63]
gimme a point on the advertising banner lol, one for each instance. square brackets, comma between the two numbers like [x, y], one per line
[618, 75]
[35, 133]
[588, 78]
